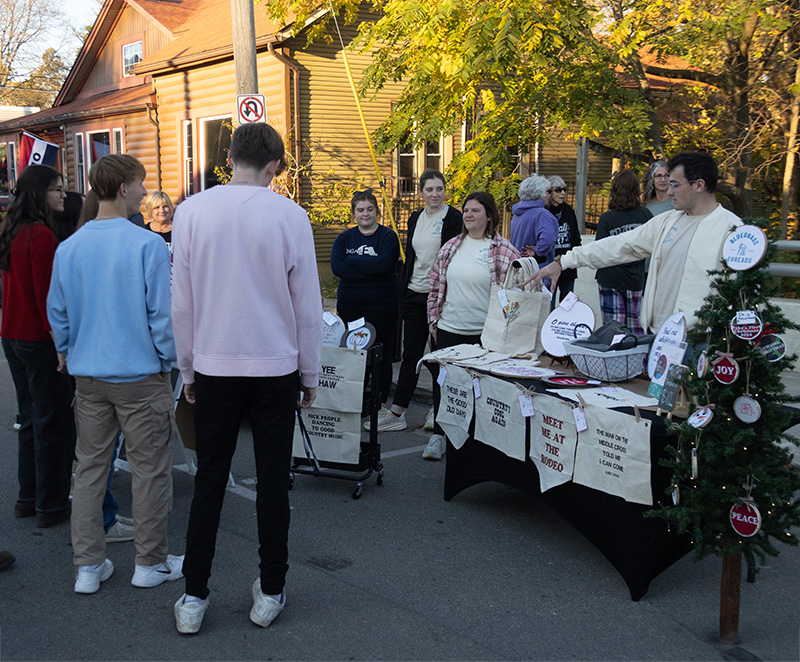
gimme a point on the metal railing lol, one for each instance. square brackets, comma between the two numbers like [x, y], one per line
[782, 269]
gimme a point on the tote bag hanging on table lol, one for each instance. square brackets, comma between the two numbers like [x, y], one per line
[514, 321]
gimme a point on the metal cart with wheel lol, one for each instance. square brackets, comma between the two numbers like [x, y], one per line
[369, 456]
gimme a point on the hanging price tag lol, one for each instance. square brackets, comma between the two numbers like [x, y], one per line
[442, 376]
[476, 386]
[746, 317]
[694, 464]
[568, 301]
[356, 324]
[580, 419]
[329, 318]
[503, 297]
[526, 405]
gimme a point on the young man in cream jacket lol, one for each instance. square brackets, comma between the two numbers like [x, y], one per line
[683, 244]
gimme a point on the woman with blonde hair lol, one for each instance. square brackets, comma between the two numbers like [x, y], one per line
[160, 210]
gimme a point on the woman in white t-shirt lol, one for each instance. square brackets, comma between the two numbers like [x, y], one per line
[428, 230]
[461, 284]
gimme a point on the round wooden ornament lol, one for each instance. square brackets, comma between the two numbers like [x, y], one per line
[745, 518]
[672, 332]
[701, 417]
[749, 330]
[745, 247]
[361, 338]
[726, 370]
[333, 328]
[702, 364]
[747, 409]
[561, 324]
[773, 346]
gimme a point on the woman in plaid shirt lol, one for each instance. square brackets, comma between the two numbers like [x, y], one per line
[461, 283]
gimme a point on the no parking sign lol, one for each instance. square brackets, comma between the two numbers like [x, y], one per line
[251, 108]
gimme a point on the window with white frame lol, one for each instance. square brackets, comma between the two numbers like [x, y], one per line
[80, 164]
[131, 56]
[188, 158]
[215, 140]
[411, 163]
[118, 141]
[4, 173]
[12, 164]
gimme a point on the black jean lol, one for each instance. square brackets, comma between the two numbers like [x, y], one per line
[385, 323]
[47, 436]
[447, 339]
[414, 311]
[270, 403]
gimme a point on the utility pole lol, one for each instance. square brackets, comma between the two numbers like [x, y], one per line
[244, 46]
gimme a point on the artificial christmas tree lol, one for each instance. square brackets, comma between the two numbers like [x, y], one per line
[733, 484]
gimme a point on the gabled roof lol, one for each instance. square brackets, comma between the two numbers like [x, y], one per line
[168, 15]
[207, 36]
[127, 100]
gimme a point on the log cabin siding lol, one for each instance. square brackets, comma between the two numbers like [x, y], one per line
[331, 132]
[107, 71]
[209, 91]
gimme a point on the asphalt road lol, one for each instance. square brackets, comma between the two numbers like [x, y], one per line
[398, 575]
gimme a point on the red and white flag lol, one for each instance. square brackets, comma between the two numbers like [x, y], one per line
[35, 151]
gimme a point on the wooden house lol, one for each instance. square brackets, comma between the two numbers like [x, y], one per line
[155, 79]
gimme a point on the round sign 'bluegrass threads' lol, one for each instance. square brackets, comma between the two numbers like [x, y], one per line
[745, 247]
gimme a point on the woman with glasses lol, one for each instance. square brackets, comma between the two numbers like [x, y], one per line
[533, 228]
[428, 230]
[621, 286]
[655, 189]
[365, 260]
[569, 235]
[44, 391]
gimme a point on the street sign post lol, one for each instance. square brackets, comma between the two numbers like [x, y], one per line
[251, 108]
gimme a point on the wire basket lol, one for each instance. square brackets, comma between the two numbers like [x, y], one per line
[611, 366]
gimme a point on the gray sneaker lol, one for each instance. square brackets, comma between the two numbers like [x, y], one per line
[265, 608]
[435, 448]
[388, 420]
[429, 421]
[119, 532]
[189, 615]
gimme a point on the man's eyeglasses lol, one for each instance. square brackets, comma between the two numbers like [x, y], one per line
[559, 189]
[673, 184]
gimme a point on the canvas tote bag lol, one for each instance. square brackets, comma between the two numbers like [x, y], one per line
[515, 327]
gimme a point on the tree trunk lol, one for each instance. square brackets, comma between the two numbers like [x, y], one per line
[791, 154]
[730, 588]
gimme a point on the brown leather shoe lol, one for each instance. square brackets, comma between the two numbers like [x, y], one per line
[6, 559]
[53, 517]
[24, 509]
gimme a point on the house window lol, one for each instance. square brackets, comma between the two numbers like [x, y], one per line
[188, 163]
[4, 170]
[411, 163]
[131, 56]
[12, 165]
[80, 172]
[215, 140]
[117, 141]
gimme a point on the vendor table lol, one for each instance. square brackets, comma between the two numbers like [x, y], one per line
[639, 548]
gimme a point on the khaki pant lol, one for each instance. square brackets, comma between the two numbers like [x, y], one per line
[144, 411]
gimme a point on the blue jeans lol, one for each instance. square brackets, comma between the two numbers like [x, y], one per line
[47, 436]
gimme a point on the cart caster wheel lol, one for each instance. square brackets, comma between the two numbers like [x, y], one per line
[357, 492]
[379, 479]
[291, 480]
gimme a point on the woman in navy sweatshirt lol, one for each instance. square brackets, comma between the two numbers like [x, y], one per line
[365, 260]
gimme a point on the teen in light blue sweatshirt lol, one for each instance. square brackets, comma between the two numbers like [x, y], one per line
[105, 335]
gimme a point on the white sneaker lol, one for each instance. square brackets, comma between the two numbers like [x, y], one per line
[189, 615]
[388, 420]
[120, 532]
[147, 576]
[265, 608]
[90, 576]
[429, 421]
[435, 448]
